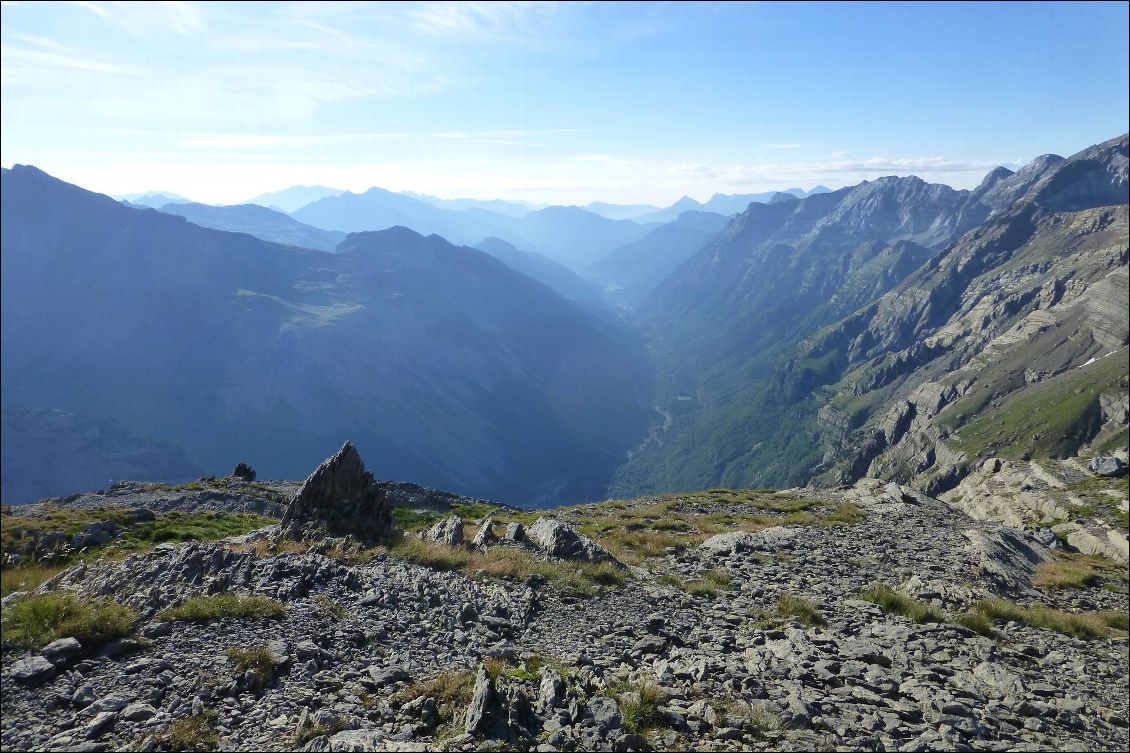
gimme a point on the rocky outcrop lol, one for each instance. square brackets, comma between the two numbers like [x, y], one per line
[341, 497]
[561, 540]
[447, 531]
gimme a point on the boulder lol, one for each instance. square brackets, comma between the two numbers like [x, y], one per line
[560, 540]
[341, 496]
[1111, 467]
[244, 471]
[515, 532]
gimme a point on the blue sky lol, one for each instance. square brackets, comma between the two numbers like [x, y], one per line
[551, 103]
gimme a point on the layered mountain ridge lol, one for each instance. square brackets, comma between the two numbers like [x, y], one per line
[460, 372]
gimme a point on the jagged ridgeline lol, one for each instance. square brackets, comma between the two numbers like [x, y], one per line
[898, 329]
[347, 613]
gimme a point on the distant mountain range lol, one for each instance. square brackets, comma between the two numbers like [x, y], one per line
[293, 198]
[568, 235]
[259, 221]
[443, 364]
[153, 199]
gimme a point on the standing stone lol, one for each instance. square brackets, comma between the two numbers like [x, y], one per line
[484, 699]
[341, 496]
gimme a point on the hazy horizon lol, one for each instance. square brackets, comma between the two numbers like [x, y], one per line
[551, 103]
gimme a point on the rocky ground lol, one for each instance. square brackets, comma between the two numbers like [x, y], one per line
[714, 621]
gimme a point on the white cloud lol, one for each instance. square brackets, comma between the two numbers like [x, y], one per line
[782, 146]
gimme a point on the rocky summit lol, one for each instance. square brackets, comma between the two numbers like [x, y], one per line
[370, 616]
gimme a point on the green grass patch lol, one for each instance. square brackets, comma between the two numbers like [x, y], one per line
[582, 579]
[846, 514]
[26, 577]
[407, 519]
[451, 689]
[20, 532]
[1052, 418]
[639, 705]
[38, 619]
[1077, 571]
[224, 606]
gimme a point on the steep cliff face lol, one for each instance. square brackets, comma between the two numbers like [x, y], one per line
[1010, 343]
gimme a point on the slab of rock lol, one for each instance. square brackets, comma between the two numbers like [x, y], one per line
[736, 542]
[341, 496]
[61, 650]
[485, 536]
[32, 670]
[1006, 558]
[138, 712]
[483, 707]
[560, 540]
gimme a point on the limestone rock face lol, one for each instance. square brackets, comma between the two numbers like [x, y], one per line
[343, 497]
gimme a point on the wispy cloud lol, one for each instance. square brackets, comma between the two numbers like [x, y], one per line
[94, 8]
[782, 146]
[31, 39]
[19, 60]
[482, 19]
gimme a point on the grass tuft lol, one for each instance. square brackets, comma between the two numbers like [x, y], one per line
[38, 619]
[893, 602]
[192, 733]
[258, 659]
[224, 605]
[1076, 571]
[846, 514]
[1078, 624]
[26, 577]
[581, 579]
[800, 609]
